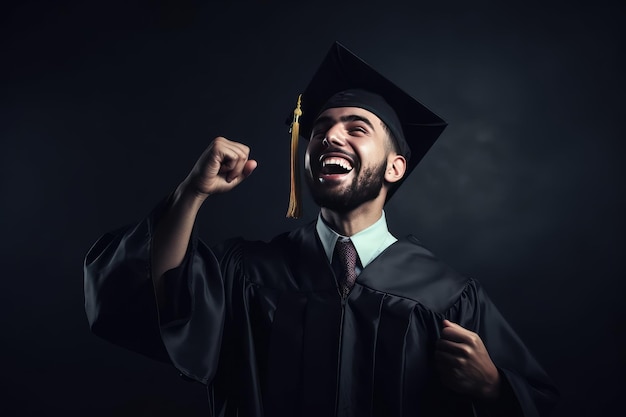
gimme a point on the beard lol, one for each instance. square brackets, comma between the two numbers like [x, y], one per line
[365, 186]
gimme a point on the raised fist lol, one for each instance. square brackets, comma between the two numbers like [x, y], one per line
[223, 165]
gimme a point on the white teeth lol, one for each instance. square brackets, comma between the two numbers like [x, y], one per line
[337, 161]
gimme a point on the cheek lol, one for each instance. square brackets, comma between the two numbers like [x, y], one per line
[307, 156]
[370, 153]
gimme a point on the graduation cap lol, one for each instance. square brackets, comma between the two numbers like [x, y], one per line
[345, 80]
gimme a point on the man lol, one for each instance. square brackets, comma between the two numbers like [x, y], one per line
[337, 318]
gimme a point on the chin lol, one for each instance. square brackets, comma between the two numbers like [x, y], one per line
[343, 199]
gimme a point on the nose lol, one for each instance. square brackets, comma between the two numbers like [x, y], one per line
[334, 136]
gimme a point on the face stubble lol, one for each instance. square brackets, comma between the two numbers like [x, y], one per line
[365, 186]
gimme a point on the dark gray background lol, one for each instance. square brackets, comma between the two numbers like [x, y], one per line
[106, 105]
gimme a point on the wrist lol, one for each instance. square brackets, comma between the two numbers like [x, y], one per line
[505, 403]
[492, 389]
[187, 195]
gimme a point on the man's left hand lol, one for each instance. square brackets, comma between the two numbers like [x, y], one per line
[464, 364]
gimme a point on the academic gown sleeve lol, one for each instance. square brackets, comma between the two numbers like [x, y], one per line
[526, 388]
[121, 306]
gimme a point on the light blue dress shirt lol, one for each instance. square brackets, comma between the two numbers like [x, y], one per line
[369, 243]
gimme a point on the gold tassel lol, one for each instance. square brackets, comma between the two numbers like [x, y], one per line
[295, 204]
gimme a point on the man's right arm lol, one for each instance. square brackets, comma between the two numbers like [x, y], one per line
[221, 167]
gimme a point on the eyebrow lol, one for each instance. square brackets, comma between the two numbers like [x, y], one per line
[349, 118]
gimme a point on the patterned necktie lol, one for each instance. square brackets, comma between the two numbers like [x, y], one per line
[345, 253]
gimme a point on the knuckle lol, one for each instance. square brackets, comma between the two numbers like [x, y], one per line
[465, 351]
[460, 362]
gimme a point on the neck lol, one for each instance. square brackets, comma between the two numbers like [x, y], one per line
[352, 222]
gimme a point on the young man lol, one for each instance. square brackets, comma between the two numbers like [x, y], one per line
[337, 318]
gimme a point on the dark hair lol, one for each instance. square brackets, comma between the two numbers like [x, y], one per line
[392, 142]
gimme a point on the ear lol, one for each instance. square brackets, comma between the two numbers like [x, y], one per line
[396, 167]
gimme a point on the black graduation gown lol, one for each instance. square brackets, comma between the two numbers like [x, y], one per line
[263, 325]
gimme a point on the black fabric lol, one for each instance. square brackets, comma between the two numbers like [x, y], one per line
[262, 324]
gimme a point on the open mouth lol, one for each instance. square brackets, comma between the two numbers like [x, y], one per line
[334, 165]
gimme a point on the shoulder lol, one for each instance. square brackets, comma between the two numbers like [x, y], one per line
[283, 247]
[293, 261]
[410, 270]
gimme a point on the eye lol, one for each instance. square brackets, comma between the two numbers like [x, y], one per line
[357, 130]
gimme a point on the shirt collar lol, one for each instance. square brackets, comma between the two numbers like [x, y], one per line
[369, 243]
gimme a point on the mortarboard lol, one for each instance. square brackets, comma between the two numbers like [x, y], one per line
[345, 80]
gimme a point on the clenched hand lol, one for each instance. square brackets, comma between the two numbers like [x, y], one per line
[464, 364]
[221, 167]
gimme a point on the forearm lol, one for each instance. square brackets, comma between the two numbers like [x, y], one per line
[173, 232]
[220, 168]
